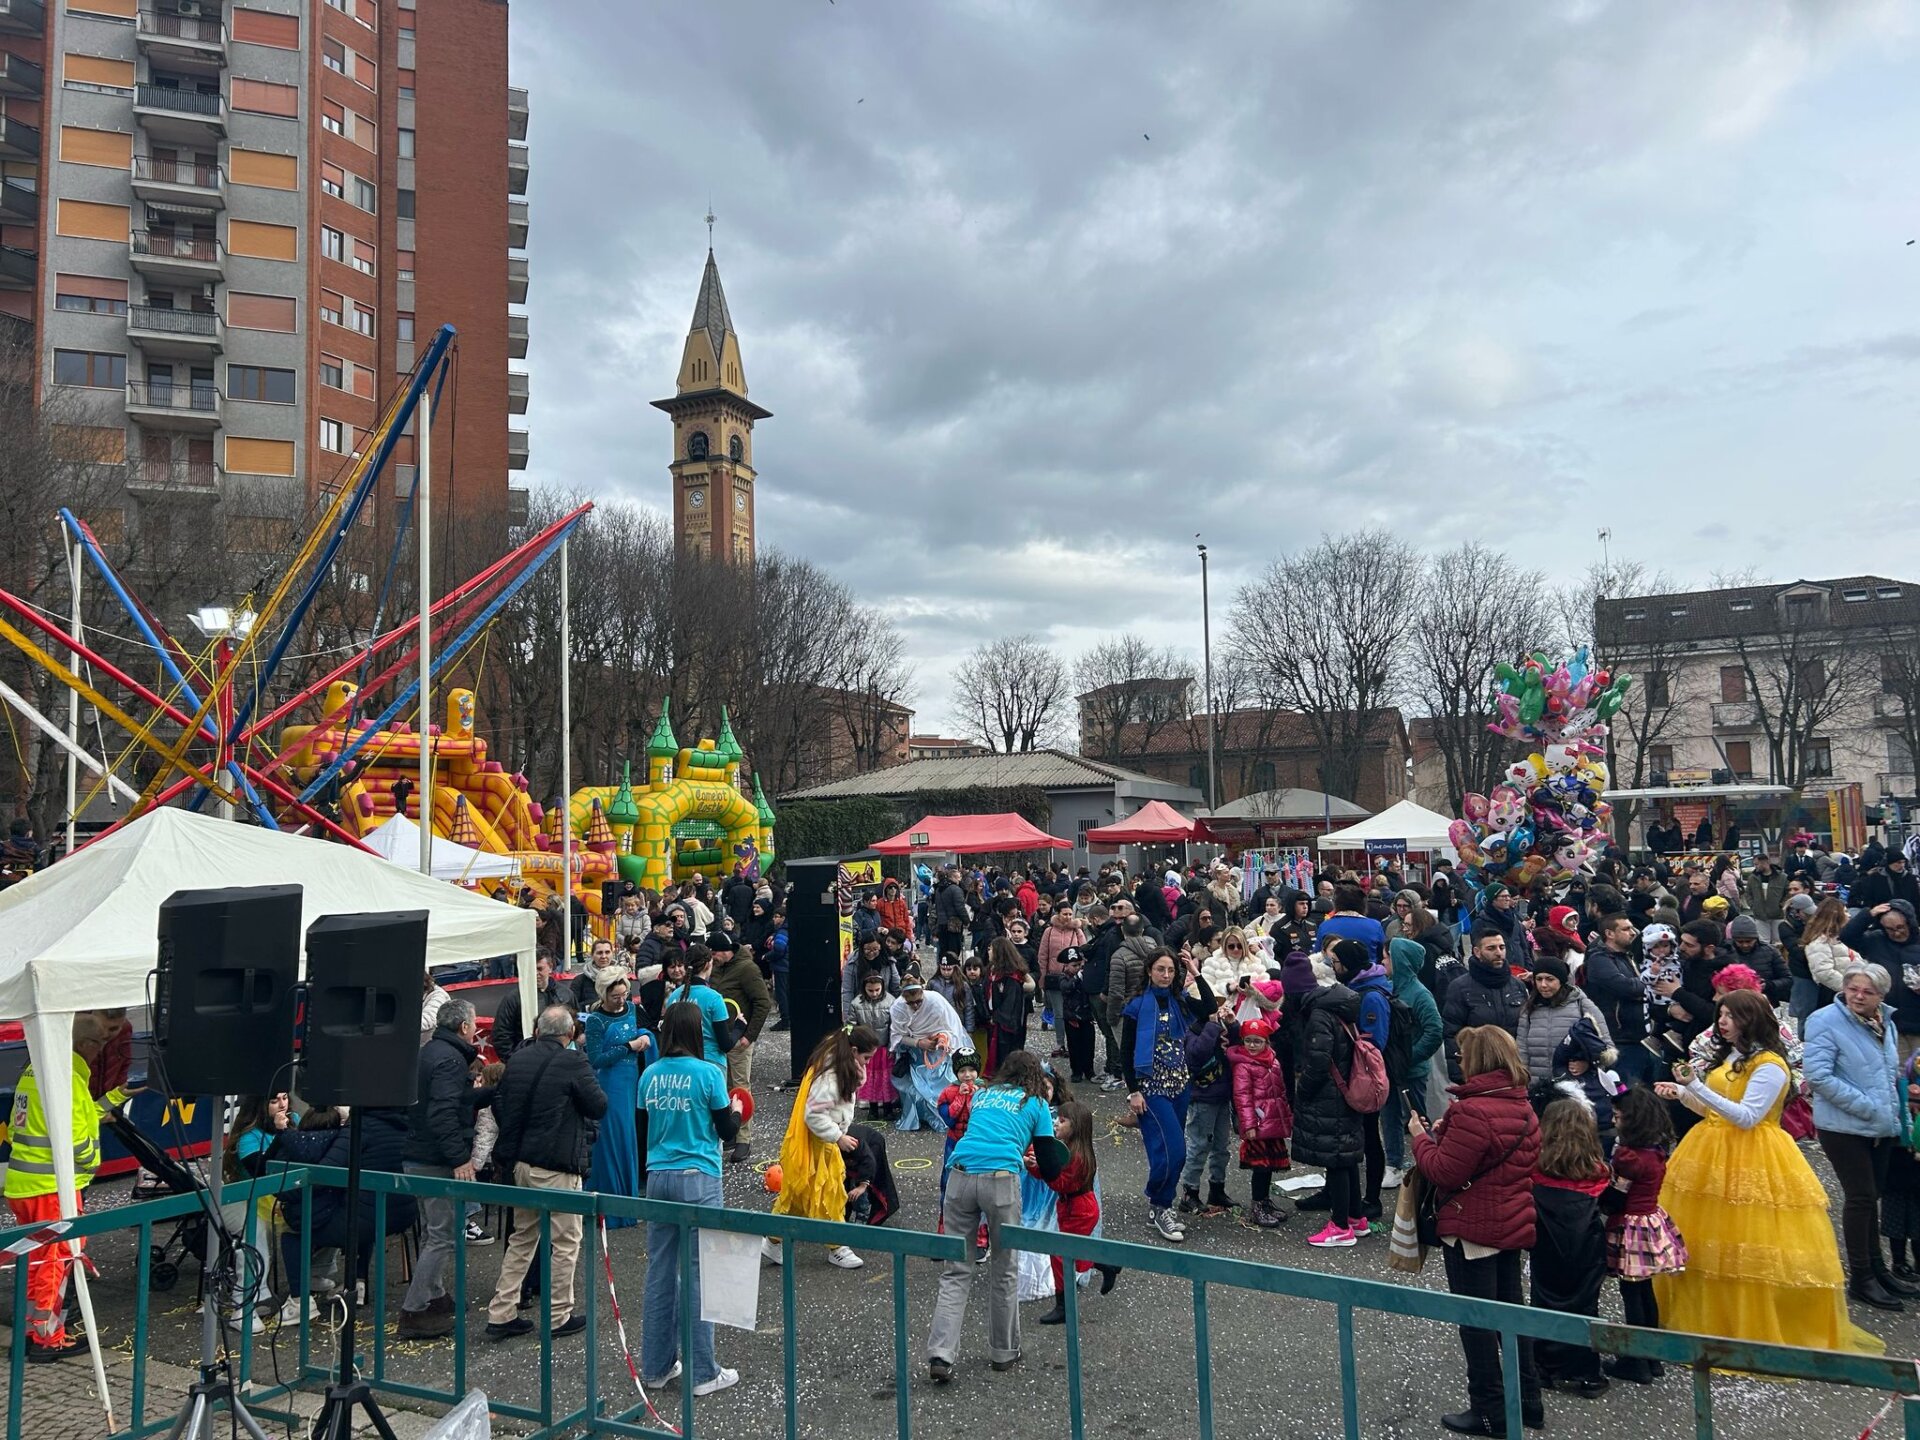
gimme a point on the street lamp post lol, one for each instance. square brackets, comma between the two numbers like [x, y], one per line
[1206, 644]
[223, 627]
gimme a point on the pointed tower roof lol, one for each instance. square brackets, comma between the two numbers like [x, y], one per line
[663, 746]
[710, 361]
[760, 803]
[726, 746]
[624, 811]
[710, 309]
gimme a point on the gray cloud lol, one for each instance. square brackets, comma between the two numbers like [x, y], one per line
[1466, 273]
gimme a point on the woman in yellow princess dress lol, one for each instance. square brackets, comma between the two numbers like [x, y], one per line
[1762, 1261]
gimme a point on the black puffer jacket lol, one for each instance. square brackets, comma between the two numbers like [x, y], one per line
[1325, 1131]
[383, 1146]
[1480, 996]
[443, 1111]
[549, 1107]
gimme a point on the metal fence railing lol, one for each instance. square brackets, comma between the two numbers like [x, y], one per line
[588, 1408]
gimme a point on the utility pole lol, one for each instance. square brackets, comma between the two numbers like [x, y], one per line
[1206, 646]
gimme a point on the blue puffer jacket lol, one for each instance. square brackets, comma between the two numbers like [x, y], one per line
[1855, 1079]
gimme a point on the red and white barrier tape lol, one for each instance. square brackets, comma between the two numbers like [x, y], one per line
[626, 1350]
[45, 1235]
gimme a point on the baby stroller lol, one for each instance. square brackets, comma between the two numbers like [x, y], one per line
[189, 1233]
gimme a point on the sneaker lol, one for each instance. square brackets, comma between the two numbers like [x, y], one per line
[294, 1309]
[982, 1254]
[1332, 1238]
[723, 1379]
[477, 1233]
[1167, 1226]
[46, 1354]
[1392, 1177]
[1361, 1227]
[939, 1371]
[771, 1252]
[839, 1255]
[1268, 1216]
[663, 1381]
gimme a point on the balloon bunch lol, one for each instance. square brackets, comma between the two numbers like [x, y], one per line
[1547, 818]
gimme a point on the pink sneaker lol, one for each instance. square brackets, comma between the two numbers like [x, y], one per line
[1332, 1238]
[1360, 1228]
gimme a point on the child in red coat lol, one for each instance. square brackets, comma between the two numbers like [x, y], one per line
[1261, 1111]
[1079, 1208]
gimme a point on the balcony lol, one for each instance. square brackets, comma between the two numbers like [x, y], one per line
[1889, 708]
[19, 204]
[23, 17]
[517, 390]
[516, 168]
[519, 505]
[164, 405]
[180, 182]
[194, 259]
[189, 334]
[185, 42]
[20, 77]
[516, 113]
[174, 114]
[164, 477]
[1735, 715]
[18, 142]
[517, 224]
[517, 336]
[18, 268]
[517, 279]
[516, 449]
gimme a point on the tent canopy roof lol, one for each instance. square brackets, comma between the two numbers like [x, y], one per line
[1421, 828]
[398, 840]
[971, 835]
[1154, 823]
[1287, 804]
[81, 935]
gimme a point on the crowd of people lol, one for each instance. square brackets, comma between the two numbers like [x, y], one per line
[1608, 1080]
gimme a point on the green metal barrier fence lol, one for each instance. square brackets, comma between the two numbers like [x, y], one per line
[594, 1412]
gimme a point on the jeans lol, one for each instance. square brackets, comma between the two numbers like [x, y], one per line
[1209, 1131]
[780, 995]
[994, 1198]
[1804, 1000]
[1493, 1277]
[660, 1335]
[442, 1220]
[1860, 1165]
[1113, 1041]
[1163, 1131]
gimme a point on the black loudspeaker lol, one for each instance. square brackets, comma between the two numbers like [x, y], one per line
[610, 893]
[363, 1009]
[224, 996]
[813, 956]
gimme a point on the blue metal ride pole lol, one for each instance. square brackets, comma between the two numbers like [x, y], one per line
[400, 701]
[430, 362]
[134, 613]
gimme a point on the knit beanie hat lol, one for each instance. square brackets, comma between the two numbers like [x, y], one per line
[1744, 927]
[1552, 965]
[1802, 905]
[1296, 974]
[1493, 892]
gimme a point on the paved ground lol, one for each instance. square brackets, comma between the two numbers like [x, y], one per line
[1275, 1372]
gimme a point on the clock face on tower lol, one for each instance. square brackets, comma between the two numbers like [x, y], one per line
[735, 449]
[740, 501]
[697, 499]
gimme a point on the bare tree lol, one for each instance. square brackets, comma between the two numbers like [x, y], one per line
[1011, 694]
[1801, 677]
[1477, 610]
[1324, 633]
[1654, 651]
[1130, 692]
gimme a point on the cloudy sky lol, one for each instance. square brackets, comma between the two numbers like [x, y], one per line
[1038, 289]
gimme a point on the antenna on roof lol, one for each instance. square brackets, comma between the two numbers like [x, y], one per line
[709, 222]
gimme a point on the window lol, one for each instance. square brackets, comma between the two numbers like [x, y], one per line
[1899, 754]
[1853, 597]
[90, 294]
[255, 382]
[403, 205]
[1740, 759]
[406, 32]
[257, 27]
[333, 244]
[1263, 775]
[333, 180]
[333, 55]
[99, 369]
[333, 308]
[1634, 615]
[333, 436]
[1802, 608]
[256, 167]
[406, 144]
[362, 318]
[365, 195]
[1887, 592]
[363, 257]
[406, 84]
[1659, 690]
[1733, 684]
[1197, 778]
[102, 77]
[1893, 673]
[404, 322]
[1740, 605]
[90, 304]
[1659, 759]
[333, 116]
[1677, 612]
[1819, 758]
[261, 312]
[1812, 678]
[263, 98]
[333, 372]
[340, 5]
[404, 264]
[362, 131]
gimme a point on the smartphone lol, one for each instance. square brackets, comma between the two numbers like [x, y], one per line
[1406, 1100]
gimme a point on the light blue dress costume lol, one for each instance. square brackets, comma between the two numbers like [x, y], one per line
[616, 1153]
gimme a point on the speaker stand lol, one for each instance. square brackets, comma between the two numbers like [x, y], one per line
[199, 1418]
[349, 1393]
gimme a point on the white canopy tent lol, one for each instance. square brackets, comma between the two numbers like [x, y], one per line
[399, 841]
[1419, 827]
[82, 934]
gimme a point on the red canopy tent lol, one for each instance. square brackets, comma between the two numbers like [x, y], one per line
[971, 835]
[1155, 823]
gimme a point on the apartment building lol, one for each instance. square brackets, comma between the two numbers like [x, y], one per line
[230, 226]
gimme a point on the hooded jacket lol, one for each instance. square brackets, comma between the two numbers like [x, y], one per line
[1127, 972]
[1613, 983]
[1375, 991]
[1543, 1026]
[1480, 1158]
[1326, 1131]
[1409, 957]
[1766, 895]
[1260, 1108]
[1864, 934]
[1569, 1260]
[441, 1129]
[1480, 996]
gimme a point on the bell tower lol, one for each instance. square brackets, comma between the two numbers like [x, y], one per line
[712, 465]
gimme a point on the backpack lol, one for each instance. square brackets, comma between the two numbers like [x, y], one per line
[1365, 1086]
[1400, 1031]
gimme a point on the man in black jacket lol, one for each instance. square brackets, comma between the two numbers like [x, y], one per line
[1613, 983]
[950, 914]
[509, 1031]
[1485, 994]
[441, 1145]
[1750, 950]
[549, 1107]
[1691, 1006]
